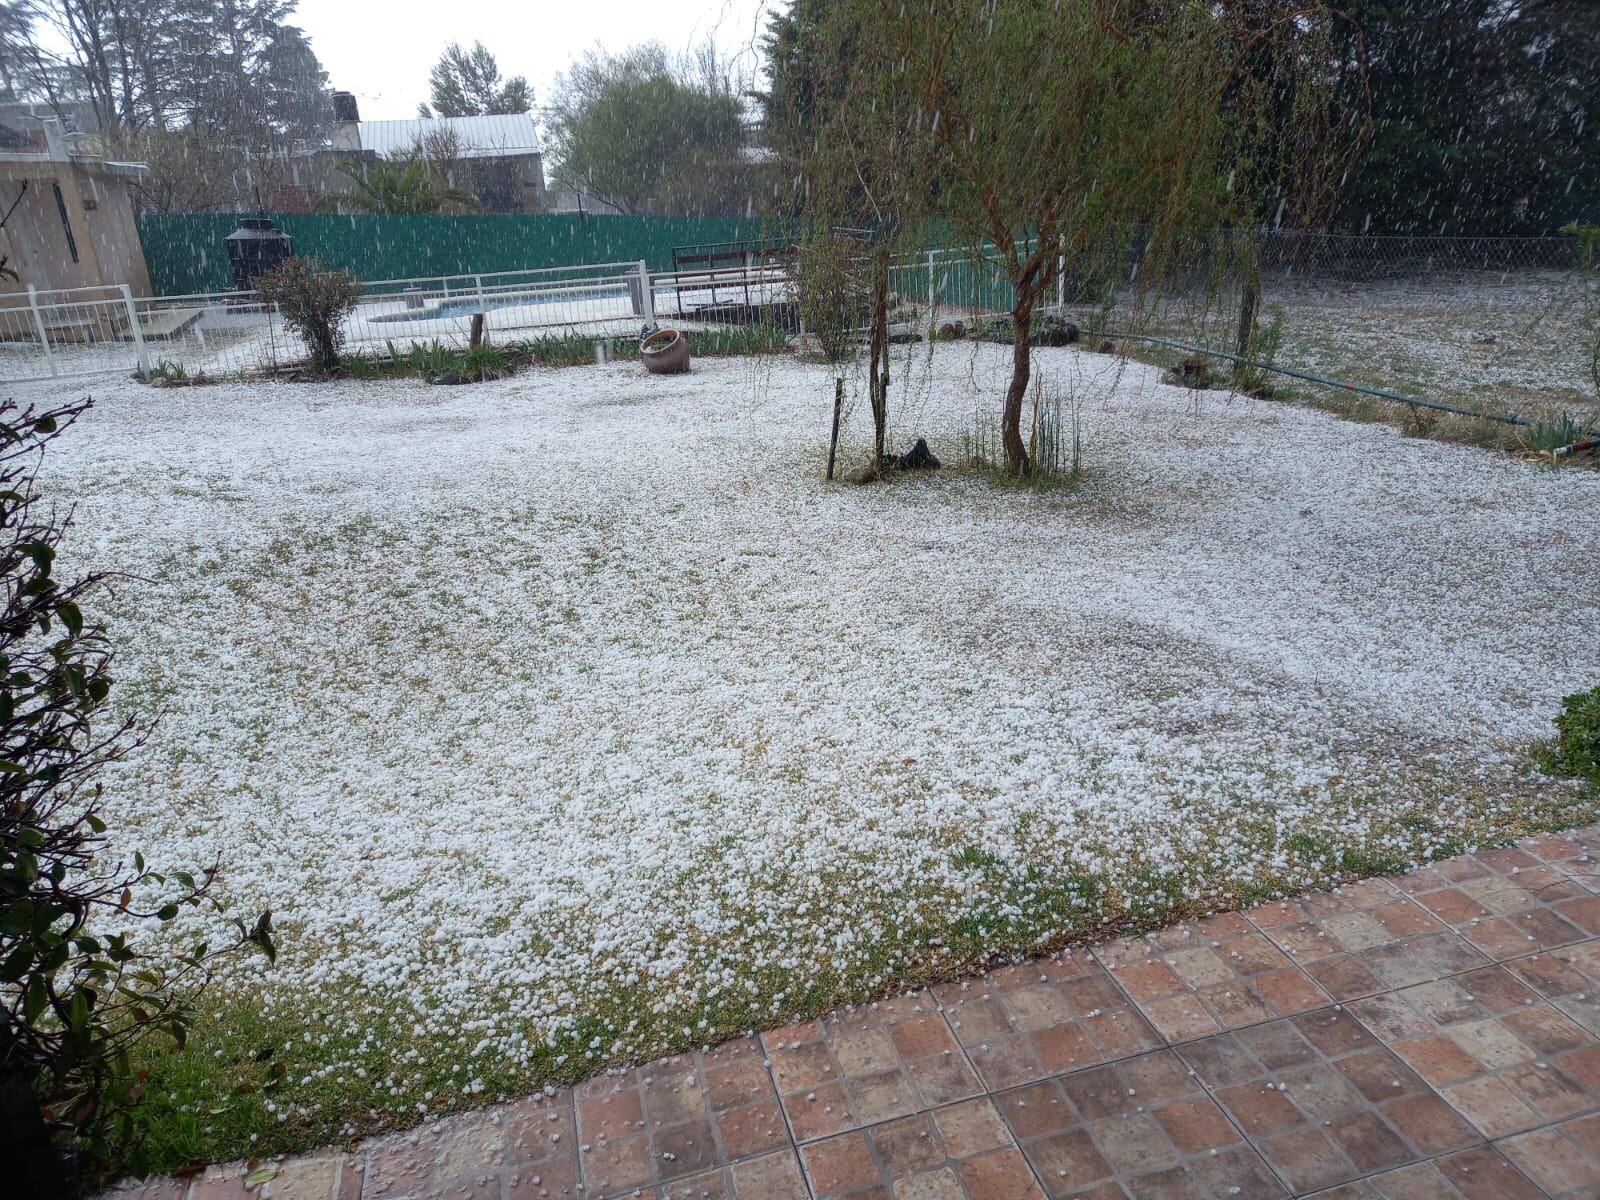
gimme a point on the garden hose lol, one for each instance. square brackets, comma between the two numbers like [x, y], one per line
[1381, 393]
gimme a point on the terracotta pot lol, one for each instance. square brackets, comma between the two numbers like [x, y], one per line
[665, 352]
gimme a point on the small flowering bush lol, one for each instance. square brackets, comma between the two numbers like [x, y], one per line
[315, 304]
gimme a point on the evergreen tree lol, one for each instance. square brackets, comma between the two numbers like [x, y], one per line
[1486, 116]
[466, 83]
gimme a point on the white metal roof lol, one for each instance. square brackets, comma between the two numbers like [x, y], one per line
[480, 137]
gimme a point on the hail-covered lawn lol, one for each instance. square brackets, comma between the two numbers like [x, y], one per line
[1493, 341]
[572, 718]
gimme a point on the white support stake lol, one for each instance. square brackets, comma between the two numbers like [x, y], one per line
[136, 332]
[933, 299]
[478, 279]
[647, 297]
[38, 325]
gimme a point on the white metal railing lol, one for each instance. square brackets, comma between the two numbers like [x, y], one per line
[1318, 322]
[70, 332]
[105, 330]
[219, 334]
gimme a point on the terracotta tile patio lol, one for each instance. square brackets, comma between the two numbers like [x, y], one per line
[1432, 1035]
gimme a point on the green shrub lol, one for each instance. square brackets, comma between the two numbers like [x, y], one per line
[1576, 750]
[77, 988]
[428, 360]
[315, 304]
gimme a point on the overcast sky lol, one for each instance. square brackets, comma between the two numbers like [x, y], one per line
[381, 49]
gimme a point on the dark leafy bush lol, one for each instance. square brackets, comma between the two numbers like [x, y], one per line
[315, 304]
[1576, 750]
[76, 989]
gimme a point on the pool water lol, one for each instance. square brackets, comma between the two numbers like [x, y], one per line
[468, 306]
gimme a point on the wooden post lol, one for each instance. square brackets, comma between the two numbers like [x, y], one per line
[1248, 304]
[477, 329]
[838, 409]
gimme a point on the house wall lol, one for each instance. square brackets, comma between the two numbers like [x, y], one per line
[99, 213]
[509, 184]
[112, 228]
[513, 184]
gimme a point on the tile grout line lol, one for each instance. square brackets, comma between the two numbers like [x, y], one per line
[921, 1109]
[987, 1093]
[1171, 1047]
[1532, 1182]
[984, 1092]
[783, 1114]
[1333, 1006]
[724, 1161]
[1343, 1006]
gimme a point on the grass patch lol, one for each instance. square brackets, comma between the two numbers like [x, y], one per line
[1054, 442]
[578, 350]
[266, 1073]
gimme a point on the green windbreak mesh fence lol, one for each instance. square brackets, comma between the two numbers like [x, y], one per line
[186, 253]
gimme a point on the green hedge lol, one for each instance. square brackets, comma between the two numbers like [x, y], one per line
[186, 252]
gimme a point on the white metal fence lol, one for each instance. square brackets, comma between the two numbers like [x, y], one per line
[84, 331]
[1493, 324]
[89, 331]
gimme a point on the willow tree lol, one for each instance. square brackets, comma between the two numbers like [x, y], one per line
[1297, 113]
[859, 167]
[1070, 132]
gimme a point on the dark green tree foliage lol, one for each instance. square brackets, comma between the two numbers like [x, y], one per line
[315, 304]
[238, 72]
[77, 990]
[649, 135]
[467, 83]
[409, 184]
[1486, 116]
[1295, 116]
[214, 94]
[1483, 112]
[801, 69]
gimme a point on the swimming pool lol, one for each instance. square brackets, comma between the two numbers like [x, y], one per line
[467, 306]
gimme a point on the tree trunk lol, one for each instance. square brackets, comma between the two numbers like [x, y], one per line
[1248, 306]
[32, 1165]
[1017, 461]
[878, 367]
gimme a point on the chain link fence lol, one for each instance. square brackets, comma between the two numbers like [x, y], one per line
[1494, 325]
